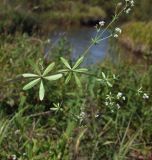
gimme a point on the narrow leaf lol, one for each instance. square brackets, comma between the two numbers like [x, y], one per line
[54, 109]
[81, 70]
[63, 70]
[103, 75]
[29, 75]
[41, 91]
[48, 69]
[53, 77]
[68, 78]
[78, 82]
[31, 84]
[65, 62]
[109, 84]
[78, 62]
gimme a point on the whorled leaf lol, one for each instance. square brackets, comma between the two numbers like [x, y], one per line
[63, 70]
[65, 62]
[68, 78]
[81, 70]
[78, 82]
[103, 75]
[49, 68]
[29, 75]
[53, 77]
[78, 62]
[41, 91]
[31, 84]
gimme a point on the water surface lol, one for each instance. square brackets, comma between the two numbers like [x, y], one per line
[80, 40]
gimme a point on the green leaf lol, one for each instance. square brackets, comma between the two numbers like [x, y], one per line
[54, 109]
[68, 78]
[48, 69]
[99, 80]
[109, 84]
[81, 70]
[78, 82]
[29, 75]
[31, 84]
[63, 70]
[53, 77]
[65, 62]
[103, 75]
[41, 91]
[78, 62]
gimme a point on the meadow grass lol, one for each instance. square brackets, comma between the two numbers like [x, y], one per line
[137, 36]
[95, 122]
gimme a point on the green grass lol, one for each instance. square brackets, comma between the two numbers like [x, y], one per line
[21, 16]
[74, 13]
[137, 36]
[31, 131]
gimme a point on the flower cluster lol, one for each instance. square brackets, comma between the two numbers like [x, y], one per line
[117, 32]
[131, 4]
[113, 101]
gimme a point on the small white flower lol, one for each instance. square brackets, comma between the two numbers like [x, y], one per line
[124, 98]
[112, 110]
[119, 95]
[14, 157]
[118, 30]
[24, 154]
[82, 114]
[115, 36]
[102, 23]
[128, 11]
[106, 103]
[145, 96]
[97, 115]
[132, 3]
[118, 106]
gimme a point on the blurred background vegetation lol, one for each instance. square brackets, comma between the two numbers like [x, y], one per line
[29, 130]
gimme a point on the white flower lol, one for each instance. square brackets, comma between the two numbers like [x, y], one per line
[118, 106]
[97, 115]
[14, 157]
[119, 95]
[112, 110]
[124, 98]
[128, 11]
[106, 103]
[118, 30]
[24, 154]
[145, 96]
[102, 23]
[132, 3]
[115, 36]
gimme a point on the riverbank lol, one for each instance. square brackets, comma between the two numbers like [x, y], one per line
[137, 37]
[41, 18]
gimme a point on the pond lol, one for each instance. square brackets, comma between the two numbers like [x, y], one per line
[80, 38]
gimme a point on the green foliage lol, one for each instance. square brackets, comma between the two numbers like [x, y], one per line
[108, 118]
[72, 122]
[137, 36]
[40, 77]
